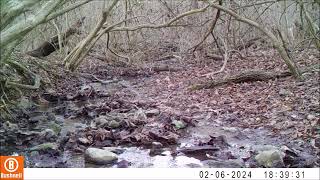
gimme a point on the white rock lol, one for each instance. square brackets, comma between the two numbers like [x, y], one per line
[100, 156]
[230, 129]
[157, 145]
[284, 92]
[311, 117]
[84, 141]
[270, 158]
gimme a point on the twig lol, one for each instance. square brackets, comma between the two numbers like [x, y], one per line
[100, 80]
[167, 24]
[225, 57]
[212, 26]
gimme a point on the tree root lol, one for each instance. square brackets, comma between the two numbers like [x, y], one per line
[25, 72]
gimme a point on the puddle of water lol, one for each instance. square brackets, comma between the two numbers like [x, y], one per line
[240, 140]
[140, 158]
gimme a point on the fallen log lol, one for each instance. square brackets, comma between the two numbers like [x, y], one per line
[248, 76]
[48, 47]
[162, 68]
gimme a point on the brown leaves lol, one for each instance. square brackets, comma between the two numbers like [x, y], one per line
[165, 137]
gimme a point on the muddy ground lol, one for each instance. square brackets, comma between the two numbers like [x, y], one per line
[152, 118]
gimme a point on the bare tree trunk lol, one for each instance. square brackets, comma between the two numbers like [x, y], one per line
[22, 28]
[12, 33]
[77, 55]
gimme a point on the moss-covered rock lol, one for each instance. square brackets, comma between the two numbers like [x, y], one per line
[55, 127]
[45, 147]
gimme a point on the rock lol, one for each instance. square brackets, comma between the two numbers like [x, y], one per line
[152, 112]
[59, 119]
[34, 154]
[230, 129]
[92, 114]
[231, 163]
[8, 126]
[101, 121]
[25, 103]
[270, 158]
[311, 117]
[114, 124]
[179, 124]
[295, 117]
[284, 92]
[50, 116]
[55, 127]
[84, 141]
[48, 134]
[166, 137]
[157, 145]
[140, 114]
[99, 156]
[45, 147]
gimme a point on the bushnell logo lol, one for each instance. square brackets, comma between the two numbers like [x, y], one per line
[11, 167]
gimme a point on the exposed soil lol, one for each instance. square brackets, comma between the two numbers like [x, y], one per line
[219, 127]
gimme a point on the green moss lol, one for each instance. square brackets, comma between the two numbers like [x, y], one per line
[114, 124]
[55, 127]
[45, 147]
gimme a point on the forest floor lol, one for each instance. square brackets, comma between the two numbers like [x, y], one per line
[154, 119]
